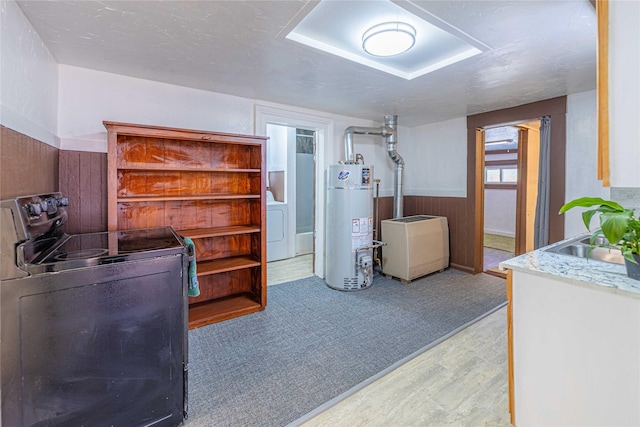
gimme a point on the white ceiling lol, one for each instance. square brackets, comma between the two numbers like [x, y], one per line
[338, 27]
[537, 50]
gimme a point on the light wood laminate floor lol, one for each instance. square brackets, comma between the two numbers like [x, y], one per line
[460, 382]
[289, 269]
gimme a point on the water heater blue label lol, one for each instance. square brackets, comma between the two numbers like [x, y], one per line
[344, 175]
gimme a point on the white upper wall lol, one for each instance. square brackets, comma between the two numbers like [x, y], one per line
[89, 97]
[624, 92]
[436, 159]
[581, 160]
[29, 78]
[500, 212]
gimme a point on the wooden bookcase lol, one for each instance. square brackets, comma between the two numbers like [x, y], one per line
[208, 186]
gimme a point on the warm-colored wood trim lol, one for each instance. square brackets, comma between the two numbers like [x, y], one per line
[505, 162]
[112, 180]
[507, 151]
[512, 401]
[154, 168]
[496, 273]
[226, 264]
[187, 197]
[462, 268]
[521, 194]
[208, 312]
[602, 90]
[488, 186]
[263, 224]
[179, 133]
[478, 263]
[557, 109]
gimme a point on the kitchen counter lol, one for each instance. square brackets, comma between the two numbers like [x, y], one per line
[591, 273]
[574, 340]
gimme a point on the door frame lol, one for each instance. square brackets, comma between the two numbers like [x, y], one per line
[522, 154]
[521, 192]
[557, 109]
[324, 127]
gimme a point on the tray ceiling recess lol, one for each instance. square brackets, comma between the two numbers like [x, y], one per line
[340, 28]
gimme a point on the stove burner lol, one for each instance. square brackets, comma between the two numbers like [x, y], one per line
[130, 246]
[81, 254]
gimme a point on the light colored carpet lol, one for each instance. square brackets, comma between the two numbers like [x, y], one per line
[313, 344]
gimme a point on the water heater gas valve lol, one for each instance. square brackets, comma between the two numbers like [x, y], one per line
[366, 262]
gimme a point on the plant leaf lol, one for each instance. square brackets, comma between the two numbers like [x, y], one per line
[614, 225]
[586, 217]
[587, 202]
[594, 236]
[629, 256]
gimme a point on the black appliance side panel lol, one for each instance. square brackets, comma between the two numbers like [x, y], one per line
[98, 346]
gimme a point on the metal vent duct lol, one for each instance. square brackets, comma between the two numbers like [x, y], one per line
[389, 132]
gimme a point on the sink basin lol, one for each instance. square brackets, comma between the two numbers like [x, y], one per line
[600, 240]
[580, 248]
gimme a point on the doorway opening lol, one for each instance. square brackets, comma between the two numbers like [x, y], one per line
[290, 191]
[510, 191]
[555, 110]
[295, 191]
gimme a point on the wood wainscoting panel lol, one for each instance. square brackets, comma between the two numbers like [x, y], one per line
[83, 180]
[27, 166]
[385, 211]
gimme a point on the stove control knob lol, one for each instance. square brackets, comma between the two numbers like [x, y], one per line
[34, 209]
[52, 206]
[63, 201]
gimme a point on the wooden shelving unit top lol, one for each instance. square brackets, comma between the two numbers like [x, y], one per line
[153, 131]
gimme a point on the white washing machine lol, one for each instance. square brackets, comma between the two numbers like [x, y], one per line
[277, 241]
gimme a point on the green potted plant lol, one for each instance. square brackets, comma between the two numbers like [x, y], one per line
[620, 226]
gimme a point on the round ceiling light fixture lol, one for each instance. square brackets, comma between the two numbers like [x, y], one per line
[389, 39]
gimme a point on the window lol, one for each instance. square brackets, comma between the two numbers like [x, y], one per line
[501, 174]
[492, 175]
[509, 175]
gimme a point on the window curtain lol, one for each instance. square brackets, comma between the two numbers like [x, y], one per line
[541, 232]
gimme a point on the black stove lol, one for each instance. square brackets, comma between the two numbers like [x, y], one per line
[93, 327]
[91, 249]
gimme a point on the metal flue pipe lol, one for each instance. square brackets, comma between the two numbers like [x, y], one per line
[398, 198]
[383, 131]
[389, 132]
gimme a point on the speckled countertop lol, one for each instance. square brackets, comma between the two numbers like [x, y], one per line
[595, 274]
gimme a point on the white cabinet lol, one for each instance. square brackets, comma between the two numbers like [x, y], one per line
[575, 353]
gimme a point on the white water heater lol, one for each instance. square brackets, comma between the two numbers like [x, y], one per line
[349, 252]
